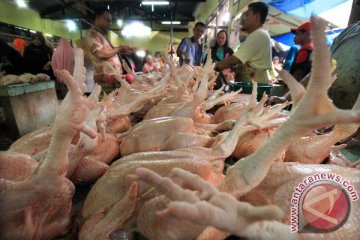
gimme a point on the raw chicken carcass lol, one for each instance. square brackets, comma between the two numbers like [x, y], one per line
[34, 142]
[39, 207]
[27, 78]
[88, 159]
[249, 142]
[189, 104]
[208, 205]
[122, 102]
[229, 112]
[159, 134]
[112, 187]
[8, 80]
[119, 125]
[24, 78]
[16, 166]
[314, 110]
[314, 148]
[115, 184]
[170, 133]
[42, 77]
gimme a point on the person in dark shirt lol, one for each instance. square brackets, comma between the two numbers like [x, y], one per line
[37, 56]
[10, 59]
[221, 50]
[302, 64]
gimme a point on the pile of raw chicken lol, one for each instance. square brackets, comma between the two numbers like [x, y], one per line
[10, 79]
[153, 126]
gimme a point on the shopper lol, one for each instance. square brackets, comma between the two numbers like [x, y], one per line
[150, 65]
[302, 63]
[221, 50]
[346, 88]
[190, 49]
[158, 60]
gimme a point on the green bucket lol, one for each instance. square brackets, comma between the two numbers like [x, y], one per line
[247, 88]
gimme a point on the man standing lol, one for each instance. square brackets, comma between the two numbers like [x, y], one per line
[190, 49]
[104, 57]
[254, 55]
[302, 64]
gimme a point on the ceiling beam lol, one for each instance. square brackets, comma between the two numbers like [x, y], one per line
[186, 16]
[154, 14]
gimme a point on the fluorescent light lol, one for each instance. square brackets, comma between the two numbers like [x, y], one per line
[21, 3]
[71, 25]
[21, 28]
[136, 29]
[155, 2]
[169, 22]
[119, 22]
[32, 31]
[48, 35]
[140, 53]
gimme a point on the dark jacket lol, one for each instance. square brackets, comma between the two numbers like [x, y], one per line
[302, 64]
[11, 55]
[227, 52]
[36, 57]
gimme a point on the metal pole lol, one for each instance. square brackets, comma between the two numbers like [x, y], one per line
[171, 31]
[80, 28]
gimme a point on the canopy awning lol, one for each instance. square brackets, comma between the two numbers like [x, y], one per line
[304, 8]
[284, 14]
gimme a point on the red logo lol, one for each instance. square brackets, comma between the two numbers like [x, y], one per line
[325, 207]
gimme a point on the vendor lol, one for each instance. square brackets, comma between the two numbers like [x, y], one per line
[104, 57]
[37, 56]
[254, 55]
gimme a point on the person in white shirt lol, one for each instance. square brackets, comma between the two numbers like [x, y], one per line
[254, 55]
